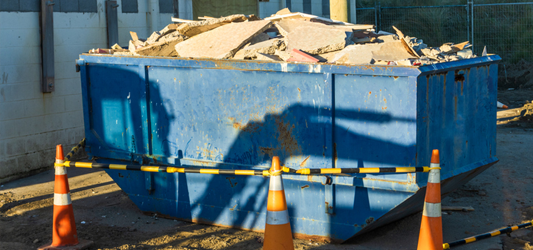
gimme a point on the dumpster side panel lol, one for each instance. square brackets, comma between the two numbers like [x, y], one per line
[458, 117]
[210, 116]
[115, 95]
[375, 124]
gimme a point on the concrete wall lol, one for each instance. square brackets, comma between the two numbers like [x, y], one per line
[31, 122]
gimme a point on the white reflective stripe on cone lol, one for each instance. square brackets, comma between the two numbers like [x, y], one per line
[276, 184]
[61, 170]
[277, 218]
[434, 174]
[62, 199]
[432, 210]
[60, 161]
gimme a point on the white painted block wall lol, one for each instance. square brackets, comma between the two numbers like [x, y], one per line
[31, 122]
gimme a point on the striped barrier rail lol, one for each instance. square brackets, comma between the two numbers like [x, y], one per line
[75, 149]
[486, 235]
[309, 171]
[162, 169]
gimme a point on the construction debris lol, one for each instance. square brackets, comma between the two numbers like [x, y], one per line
[223, 42]
[291, 37]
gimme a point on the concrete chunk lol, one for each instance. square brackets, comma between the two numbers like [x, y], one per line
[161, 48]
[169, 29]
[316, 40]
[172, 36]
[392, 51]
[259, 38]
[266, 57]
[195, 28]
[357, 54]
[286, 26]
[267, 47]
[223, 42]
[153, 38]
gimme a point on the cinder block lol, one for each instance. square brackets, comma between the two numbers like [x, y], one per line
[66, 70]
[10, 5]
[15, 147]
[71, 86]
[11, 110]
[73, 119]
[21, 73]
[70, 52]
[20, 37]
[25, 20]
[19, 91]
[53, 122]
[80, 36]
[20, 56]
[2, 149]
[37, 142]
[57, 137]
[84, 20]
[53, 104]
[73, 103]
[34, 107]
[9, 167]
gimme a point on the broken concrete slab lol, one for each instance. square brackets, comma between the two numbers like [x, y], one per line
[259, 38]
[357, 54]
[285, 55]
[286, 26]
[159, 49]
[266, 47]
[465, 54]
[266, 57]
[239, 55]
[169, 29]
[172, 36]
[195, 28]
[353, 27]
[153, 38]
[223, 42]
[300, 56]
[392, 51]
[134, 36]
[316, 40]
[388, 38]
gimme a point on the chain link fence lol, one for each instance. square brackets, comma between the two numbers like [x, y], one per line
[505, 29]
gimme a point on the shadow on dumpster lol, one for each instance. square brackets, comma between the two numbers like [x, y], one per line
[192, 122]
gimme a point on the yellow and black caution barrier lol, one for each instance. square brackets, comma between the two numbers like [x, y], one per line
[163, 169]
[75, 149]
[309, 171]
[486, 235]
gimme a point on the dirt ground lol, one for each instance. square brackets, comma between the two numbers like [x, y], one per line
[501, 196]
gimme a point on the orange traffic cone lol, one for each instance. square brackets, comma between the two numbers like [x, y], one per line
[278, 234]
[64, 235]
[430, 237]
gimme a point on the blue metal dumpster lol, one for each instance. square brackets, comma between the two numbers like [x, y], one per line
[238, 114]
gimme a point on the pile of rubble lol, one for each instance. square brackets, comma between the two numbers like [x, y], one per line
[291, 37]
